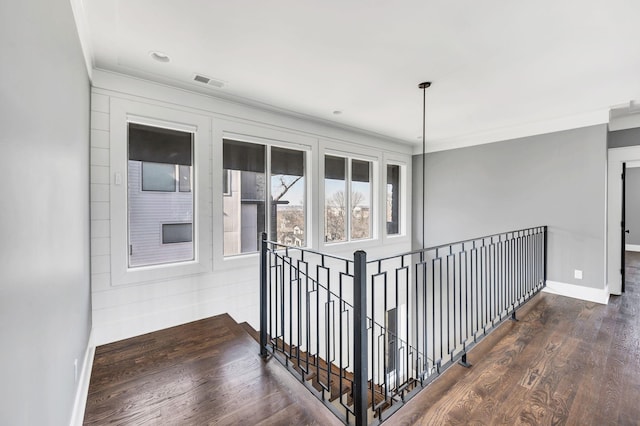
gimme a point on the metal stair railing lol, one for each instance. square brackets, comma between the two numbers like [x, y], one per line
[366, 336]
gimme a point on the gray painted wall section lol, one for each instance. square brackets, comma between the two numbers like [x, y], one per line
[556, 179]
[632, 207]
[622, 138]
[44, 220]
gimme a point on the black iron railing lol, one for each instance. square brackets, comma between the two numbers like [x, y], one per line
[366, 335]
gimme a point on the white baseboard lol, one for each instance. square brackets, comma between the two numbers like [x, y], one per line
[632, 247]
[597, 295]
[80, 403]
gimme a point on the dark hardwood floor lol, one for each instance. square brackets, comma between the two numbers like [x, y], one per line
[565, 362]
[203, 373]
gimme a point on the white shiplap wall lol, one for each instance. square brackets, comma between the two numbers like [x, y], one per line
[100, 230]
[125, 310]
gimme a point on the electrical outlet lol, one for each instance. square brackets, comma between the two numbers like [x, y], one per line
[75, 370]
[577, 274]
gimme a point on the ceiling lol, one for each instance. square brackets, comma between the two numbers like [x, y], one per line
[499, 68]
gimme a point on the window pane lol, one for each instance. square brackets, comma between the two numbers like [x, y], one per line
[226, 182]
[360, 199]
[244, 205]
[393, 199]
[177, 233]
[335, 201]
[360, 171]
[158, 177]
[288, 197]
[184, 178]
[153, 199]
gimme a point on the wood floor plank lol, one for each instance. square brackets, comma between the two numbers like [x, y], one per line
[205, 372]
[566, 362]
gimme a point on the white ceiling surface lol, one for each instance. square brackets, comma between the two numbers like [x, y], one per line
[495, 65]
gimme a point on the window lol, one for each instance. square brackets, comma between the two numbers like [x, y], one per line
[159, 195]
[158, 177]
[162, 177]
[287, 218]
[360, 199]
[335, 188]
[142, 136]
[174, 233]
[348, 193]
[257, 198]
[393, 199]
[226, 183]
[185, 178]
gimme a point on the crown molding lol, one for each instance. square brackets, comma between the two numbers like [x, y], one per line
[82, 27]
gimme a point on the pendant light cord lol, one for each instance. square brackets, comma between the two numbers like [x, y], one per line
[424, 87]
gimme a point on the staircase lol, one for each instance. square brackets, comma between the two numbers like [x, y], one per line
[203, 372]
[326, 379]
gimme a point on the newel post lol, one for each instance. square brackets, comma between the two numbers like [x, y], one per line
[263, 295]
[360, 337]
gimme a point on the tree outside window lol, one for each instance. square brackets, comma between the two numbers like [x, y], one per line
[347, 218]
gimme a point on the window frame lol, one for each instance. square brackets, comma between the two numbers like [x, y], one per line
[123, 112]
[374, 213]
[268, 193]
[404, 206]
[270, 137]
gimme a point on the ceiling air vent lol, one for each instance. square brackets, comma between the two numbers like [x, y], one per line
[207, 80]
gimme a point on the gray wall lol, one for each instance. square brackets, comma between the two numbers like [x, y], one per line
[556, 179]
[622, 138]
[44, 220]
[632, 205]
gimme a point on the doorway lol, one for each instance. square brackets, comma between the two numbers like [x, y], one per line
[619, 159]
[630, 213]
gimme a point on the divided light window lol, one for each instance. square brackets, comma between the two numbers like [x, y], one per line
[348, 193]
[264, 190]
[159, 196]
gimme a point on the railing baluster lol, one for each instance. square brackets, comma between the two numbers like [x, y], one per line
[466, 294]
[263, 296]
[433, 310]
[421, 310]
[360, 337]
[460, 292]
[455, 340]
[441, 309]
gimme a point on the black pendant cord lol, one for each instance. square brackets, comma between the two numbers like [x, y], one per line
[424, 87]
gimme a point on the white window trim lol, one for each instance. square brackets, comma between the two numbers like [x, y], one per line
[404, 207]
[268, 136]
[127, 111]
[376, 230]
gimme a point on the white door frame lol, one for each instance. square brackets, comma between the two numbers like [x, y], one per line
[616, 156]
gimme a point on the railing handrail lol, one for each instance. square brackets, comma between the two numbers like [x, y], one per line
[438, 247]
[308, 250]
[408, 253]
